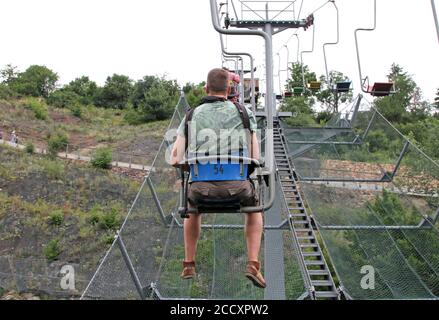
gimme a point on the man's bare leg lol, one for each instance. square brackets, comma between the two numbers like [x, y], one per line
[192, 228]
[253, 235]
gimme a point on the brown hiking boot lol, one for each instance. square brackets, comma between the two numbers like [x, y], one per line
[253, 273]
[188, 270]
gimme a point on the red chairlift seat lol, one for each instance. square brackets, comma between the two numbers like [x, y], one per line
[288, 94]
[381, 89]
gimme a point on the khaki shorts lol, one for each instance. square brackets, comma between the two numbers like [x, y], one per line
[244, 191]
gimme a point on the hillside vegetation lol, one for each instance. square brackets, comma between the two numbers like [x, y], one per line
[58, 213]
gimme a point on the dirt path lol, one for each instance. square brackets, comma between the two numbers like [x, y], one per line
[78, 157]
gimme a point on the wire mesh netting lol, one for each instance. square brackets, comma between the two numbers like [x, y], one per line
[376, 204]
[153, 236]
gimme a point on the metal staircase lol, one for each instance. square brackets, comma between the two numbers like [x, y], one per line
[316, 272]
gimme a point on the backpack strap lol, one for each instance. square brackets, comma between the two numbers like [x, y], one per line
[244, 115]
[189, 115]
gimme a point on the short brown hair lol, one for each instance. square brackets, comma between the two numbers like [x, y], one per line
[218, 81]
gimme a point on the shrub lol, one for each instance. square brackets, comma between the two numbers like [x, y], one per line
[52, 250]
[56, 218]
[63, 98]
[39, 108]
[133, 117]
[76, 110]
[109, 220]
[102, 158]
[54, 169]
[6, 92]
[30, 148]
[107, 238]
[57, 143]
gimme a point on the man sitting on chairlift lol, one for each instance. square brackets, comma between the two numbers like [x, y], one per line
[219, 115]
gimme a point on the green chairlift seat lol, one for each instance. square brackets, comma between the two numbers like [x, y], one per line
[297, 91]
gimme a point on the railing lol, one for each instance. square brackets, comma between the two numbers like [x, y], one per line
[122, 159]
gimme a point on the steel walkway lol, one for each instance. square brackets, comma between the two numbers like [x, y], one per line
[316, 271]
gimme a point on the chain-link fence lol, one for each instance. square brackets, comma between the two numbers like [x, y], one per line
[375, 197]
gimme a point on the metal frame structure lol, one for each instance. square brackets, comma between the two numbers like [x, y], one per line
[425, 223]
[276, 151]
[331, 44]
[436, 20]
[252, 72]
[305, 84]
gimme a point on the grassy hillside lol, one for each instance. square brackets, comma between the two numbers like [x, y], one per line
[93, 127]
[54, 213]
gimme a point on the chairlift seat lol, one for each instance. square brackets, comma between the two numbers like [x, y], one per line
[315, 85]
[288, 94]
[343, 86]
[381, 89]
[298, 90]
[212, 205]
[279, 97]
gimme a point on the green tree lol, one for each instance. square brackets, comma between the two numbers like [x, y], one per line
[8, 74]
[141, 87]
[84, 88]
[396, 106]
[301, 108]
[63, 98]
[194, 93]
[330, 99]
[37, 81]
[115, 93]
[298, 76]
[160, 101]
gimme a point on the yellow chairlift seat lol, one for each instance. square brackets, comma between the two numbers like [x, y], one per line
[315, 85]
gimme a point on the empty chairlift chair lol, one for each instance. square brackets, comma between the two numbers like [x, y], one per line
[342, 86]
[381, 89]
[315, 86]
[298, 91]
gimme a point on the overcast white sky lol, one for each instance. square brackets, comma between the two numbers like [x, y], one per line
[139, 37]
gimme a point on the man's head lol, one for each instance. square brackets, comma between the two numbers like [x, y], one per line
[218, 82]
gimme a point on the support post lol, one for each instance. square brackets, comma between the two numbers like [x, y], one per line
[401, 156]
[156, 200]
[130, 267]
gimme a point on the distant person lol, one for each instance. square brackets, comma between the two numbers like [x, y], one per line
[13, 137]
[1, 135]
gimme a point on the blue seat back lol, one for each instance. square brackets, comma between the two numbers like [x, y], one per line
[220, 170]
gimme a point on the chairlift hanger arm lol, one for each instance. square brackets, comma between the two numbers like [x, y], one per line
[253, 89]
[436, 20]
[307, 51]
[362, 80]
[331, 43]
